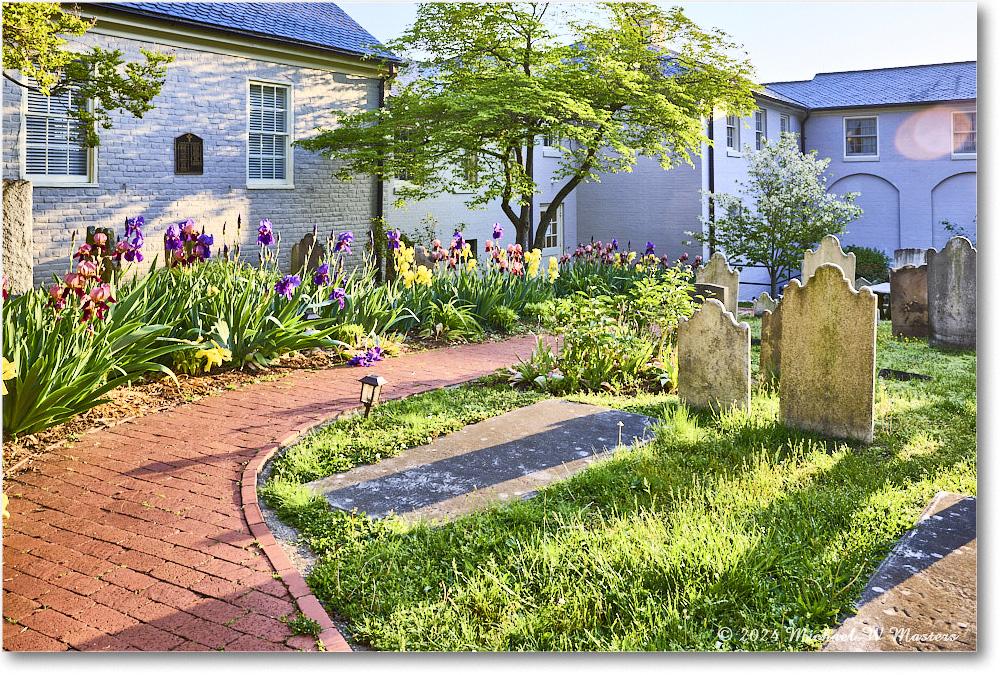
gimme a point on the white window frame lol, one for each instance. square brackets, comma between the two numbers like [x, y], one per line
[733, 140]
[53, 180]
[549, 150]
[760, 128]
[560, 224]
[288, 182]
[785, 124]
[975, 130]
[878, 145]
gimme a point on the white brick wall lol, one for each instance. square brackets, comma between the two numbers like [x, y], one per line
[205, 94]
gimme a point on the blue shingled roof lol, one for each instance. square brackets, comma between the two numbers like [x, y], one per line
[885, 86]
[315, 24]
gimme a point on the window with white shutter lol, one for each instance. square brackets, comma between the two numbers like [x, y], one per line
[53, 150]
[269, 136]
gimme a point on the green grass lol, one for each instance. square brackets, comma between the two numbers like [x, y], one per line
[728, 521]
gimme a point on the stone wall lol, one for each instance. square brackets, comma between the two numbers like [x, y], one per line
[205, 94]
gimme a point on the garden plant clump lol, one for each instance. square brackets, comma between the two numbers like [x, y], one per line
[724, 521]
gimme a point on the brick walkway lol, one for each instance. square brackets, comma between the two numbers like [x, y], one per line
[148, 536]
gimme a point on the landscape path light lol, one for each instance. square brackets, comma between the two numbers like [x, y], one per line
[371, 389]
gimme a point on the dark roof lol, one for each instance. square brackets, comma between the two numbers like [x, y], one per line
[321, 25]
[884, 86]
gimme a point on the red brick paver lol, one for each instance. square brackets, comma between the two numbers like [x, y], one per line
[148, 535]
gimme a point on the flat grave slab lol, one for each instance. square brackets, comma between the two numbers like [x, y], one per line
[505, 457]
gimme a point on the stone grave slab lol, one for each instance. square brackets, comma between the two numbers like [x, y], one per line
[770, 345]
[505, 457]
[705, 292]
[713, 359]
[908, 300]
[909, 256]
[307, 254]
[828, 356]
[829, 252]
[951, 294]
[719, 273]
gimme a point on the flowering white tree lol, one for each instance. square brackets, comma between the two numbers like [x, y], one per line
[781, 211]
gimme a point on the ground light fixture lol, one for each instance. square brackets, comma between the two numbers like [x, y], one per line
[371, 389]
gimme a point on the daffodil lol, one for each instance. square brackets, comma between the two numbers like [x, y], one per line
[214, 356]
[9, 373]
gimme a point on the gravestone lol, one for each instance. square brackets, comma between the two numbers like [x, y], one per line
[951, 294]
[770, 345]
[828, 356]
[713, 359]
[18, 265]
[764, 303]
[704, 292]
[828, 252]
[719, 273]
[307, 247]
[908, 299]
[420, 257]
[909, 256]
[861, 282]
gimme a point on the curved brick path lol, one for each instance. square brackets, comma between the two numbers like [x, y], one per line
[142, 536]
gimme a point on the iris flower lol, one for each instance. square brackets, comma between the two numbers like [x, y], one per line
[339, 294]
[287, 283]
[9, 373]
[265, 233]
[322, 275]
[497, 231]
[343, 244]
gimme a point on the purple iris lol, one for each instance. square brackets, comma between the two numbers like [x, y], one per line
[339, 294]
[285, 286]
[343, 244]
[322, 275]
[393, 236]
[172, 242]
[614, 244]
[497, 231]
[204, 242]
[368, 358]
[458, 243]
[265, 233]
[650, 248]
[133, 228]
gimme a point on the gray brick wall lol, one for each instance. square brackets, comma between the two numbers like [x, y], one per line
[205, 94]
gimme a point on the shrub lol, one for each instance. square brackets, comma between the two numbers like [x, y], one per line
[503, 318]
[870, 263]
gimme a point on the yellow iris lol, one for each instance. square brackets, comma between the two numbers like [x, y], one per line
[424, 276]
[9, 373]
[6, 513]
[553, 268]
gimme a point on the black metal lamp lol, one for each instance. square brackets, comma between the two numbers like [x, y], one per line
[371, 389]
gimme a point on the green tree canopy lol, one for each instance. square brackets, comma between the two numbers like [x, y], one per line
[33, 44]
[781, 211]
[489, 80]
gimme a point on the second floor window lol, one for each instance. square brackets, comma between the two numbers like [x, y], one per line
[861, 136]
[760, 128]
[269, 137]
[963, 130]
[53, 149]
[733, 132]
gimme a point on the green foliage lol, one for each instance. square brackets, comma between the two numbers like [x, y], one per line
[782, 210]
[32, 44]
[494, 78]
[870, 263]
[728, 520]
[504, 318]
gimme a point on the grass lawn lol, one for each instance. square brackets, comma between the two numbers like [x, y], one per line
[729, 521]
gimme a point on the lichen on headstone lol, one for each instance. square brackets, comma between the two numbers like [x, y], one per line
[951, 294]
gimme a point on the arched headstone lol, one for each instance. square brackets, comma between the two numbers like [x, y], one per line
[828, 356]
[951, 294]
[764, 303]
[770, 344]
[829, 252]
[719, 273]
[713, 359]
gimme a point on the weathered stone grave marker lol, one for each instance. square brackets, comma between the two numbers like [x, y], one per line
[828, 356]
[951, 294]
[719, 273]
[307, 254]
[713, 359]
[829, 252]
[861, 282]
[770, 344]
[704, 292]
[764, 303]
[908, 300]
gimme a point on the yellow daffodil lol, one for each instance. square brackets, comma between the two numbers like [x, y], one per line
[214, 356]
[9, 373]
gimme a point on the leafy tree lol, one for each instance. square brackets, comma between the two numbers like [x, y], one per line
[33, 45]
[490, 80]
[782, 210]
